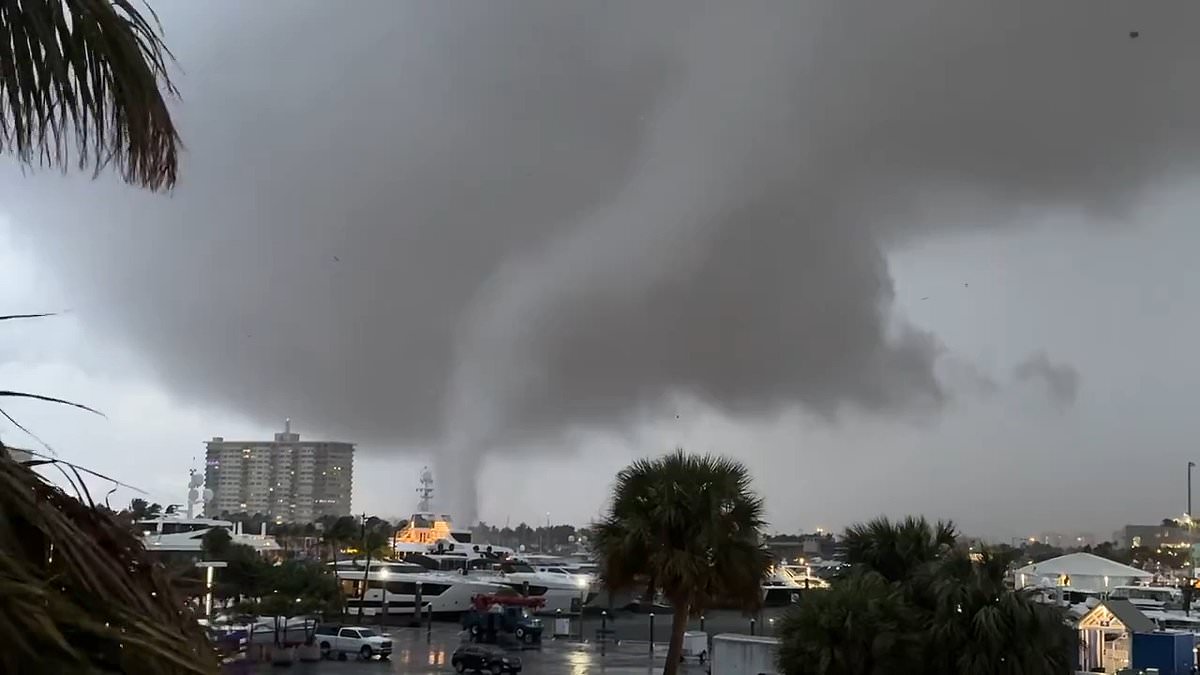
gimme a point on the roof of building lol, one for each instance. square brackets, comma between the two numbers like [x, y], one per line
[1127, 613]
[1082, 564]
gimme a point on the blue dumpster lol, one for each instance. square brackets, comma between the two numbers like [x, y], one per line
[1171, 653]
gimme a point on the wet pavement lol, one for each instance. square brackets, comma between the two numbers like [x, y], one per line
[418, 652]
[627, 650]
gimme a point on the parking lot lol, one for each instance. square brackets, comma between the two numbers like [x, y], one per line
[417, 652]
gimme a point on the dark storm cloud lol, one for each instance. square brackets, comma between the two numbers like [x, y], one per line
[465, 224]
[1061, 379]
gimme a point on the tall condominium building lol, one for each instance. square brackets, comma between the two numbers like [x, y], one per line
[289, 480]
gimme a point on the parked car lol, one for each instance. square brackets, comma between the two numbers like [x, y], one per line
[484, 659]
[339, 641]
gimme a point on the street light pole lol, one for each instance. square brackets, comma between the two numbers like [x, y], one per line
[1191, 465]
[1190, 530]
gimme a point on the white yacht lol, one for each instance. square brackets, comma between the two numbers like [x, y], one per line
[803, 576]
[564, 565]
[395, 584]
[1149, 597]
[182, 534]
[1174, 621]
[568, 573]
[780, 587]
[563, 592]
[179, 534]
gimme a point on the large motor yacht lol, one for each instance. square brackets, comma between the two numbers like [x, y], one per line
[430, 540]
[392, 587]
[181, 534]
[560, 591]
[784, 583]
[430, 532]
[176, 533]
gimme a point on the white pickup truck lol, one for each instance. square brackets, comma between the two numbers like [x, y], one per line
[366, 643]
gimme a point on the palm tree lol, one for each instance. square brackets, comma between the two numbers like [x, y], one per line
[80, 593]
[138, 508]
[87, 76]
[374, 543]
[980, 627]
[862, 626]
[342, 531]
[912, 591]
[689, 526]
[898, 551]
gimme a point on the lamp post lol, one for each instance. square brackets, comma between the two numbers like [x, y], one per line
[208, 566]
[1190, 530]
[1191, 465]
[652, 633]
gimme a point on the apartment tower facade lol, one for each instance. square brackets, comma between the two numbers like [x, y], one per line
[287, 479]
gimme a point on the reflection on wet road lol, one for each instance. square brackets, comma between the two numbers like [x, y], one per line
[414, 655]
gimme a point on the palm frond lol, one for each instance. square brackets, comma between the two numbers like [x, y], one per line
[48, 399]
[88, 75]
[10, 317]
[81, 595]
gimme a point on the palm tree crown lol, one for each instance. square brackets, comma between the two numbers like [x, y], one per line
[897, 551]
[689, 526]
[915, 602]
[88, 75]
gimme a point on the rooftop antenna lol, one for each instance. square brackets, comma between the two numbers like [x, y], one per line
[287, 425]
[425, 491]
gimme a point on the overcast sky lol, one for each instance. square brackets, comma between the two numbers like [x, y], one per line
[926, 257]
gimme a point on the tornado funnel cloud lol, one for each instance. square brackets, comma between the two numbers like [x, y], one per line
[462, 230]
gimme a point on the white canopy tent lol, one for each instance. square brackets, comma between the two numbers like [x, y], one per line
[1079, 570]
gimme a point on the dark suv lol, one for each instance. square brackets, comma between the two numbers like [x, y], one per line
[484, 659]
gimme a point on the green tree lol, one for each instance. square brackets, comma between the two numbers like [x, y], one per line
[955, 611]
[690, 527]
[373, 542]
[898, 551]
[215, 543]
[862, 626]
[138, 508]
[980, 627]
[295, 588]
[245, 576]
[339, 534]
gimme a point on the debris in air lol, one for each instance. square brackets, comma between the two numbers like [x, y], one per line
[1134, 33]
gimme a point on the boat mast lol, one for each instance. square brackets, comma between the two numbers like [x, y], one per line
[425, 492]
